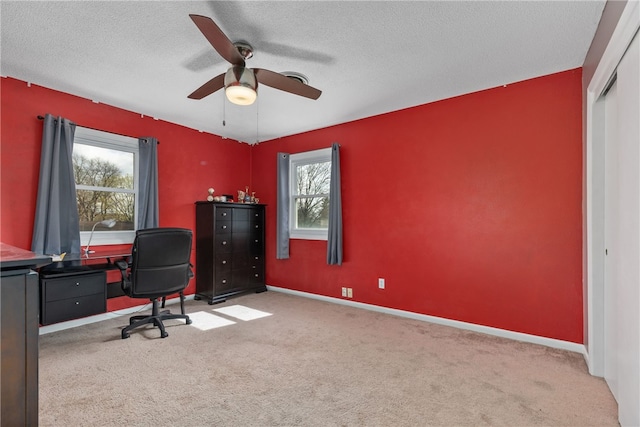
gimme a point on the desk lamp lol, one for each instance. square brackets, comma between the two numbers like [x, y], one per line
[107, 223]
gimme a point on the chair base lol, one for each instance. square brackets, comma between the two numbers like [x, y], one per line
[156, 318]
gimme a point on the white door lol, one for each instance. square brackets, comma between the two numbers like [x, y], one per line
[622, 238]
[628, 263]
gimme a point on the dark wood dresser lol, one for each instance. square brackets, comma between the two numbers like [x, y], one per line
[19, 326]
[229, 250]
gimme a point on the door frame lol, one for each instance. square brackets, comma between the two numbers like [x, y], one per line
[627, 27]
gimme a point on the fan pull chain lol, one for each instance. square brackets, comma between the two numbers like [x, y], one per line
[257, 120]
[224, 111]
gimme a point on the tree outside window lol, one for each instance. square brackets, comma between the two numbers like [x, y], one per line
[310, 179]
[105, 171]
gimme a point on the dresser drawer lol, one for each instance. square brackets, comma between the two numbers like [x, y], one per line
[73, 308]
[223, 214]
[223, 262]
[223, 227]
[222, 243]
[223, 282]
[257, 216]
[58, 288]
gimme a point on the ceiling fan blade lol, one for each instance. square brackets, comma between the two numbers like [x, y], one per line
[287, 84]
[209, 87]
[218, 39]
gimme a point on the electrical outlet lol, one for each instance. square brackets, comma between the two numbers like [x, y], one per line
[344, 292]
[380, 283]
[349, 293]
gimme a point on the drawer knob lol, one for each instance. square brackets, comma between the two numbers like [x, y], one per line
[256, 274]
[224, 280]
[257, 226]
[77, 302]
[224, 214]
[257, 240]
[224, 261]
[224, 242]
[77, 283]
[224, 227]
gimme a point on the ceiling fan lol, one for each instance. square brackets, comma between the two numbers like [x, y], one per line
[241, 83]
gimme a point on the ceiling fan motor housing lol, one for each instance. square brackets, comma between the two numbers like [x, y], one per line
[240, 85]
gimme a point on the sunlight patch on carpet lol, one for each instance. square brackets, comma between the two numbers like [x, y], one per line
[241, 312]
[205, 321]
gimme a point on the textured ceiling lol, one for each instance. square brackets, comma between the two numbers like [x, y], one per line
[367, 57]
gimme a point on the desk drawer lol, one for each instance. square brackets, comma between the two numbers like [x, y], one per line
[59, 288]
[73, 308]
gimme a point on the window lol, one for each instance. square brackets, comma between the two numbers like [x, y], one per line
[105, 168]
[310, 176]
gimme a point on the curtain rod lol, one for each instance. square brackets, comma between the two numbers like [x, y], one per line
[116, 133]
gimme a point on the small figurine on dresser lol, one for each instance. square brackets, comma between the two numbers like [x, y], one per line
[210, 197]
[246, 197]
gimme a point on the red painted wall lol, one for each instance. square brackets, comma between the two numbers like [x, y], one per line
[470, 208]
[189, 161]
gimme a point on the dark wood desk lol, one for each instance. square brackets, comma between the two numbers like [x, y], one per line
[19, 326]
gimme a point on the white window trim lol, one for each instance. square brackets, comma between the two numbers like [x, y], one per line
[97, 138]
[315, 156]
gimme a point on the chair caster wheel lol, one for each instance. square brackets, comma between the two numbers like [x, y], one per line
[164, 335]
[197, 298]
[125, 336]
[189, 321]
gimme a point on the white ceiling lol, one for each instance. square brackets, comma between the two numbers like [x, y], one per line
[367, 57]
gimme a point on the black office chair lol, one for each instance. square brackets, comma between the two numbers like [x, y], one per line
[159, 267]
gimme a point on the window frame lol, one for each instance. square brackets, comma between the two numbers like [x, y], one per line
[111, 141]
[322, 155]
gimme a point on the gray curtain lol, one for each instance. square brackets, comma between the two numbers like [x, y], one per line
[334, 243]
[148, 212]
[282, 208]
[56, 228]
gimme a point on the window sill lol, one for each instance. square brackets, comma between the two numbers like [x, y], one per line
[309, 236]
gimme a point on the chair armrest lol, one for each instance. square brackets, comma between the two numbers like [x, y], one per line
[123, 266]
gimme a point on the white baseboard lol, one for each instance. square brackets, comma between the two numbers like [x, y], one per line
[104, 316]
[517, 336]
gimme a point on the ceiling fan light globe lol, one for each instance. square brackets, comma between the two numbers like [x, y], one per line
[240, 85]
[241, 95]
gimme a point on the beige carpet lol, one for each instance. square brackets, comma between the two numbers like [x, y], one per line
[310, 363]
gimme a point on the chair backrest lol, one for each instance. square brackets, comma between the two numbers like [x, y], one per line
[160, 262]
